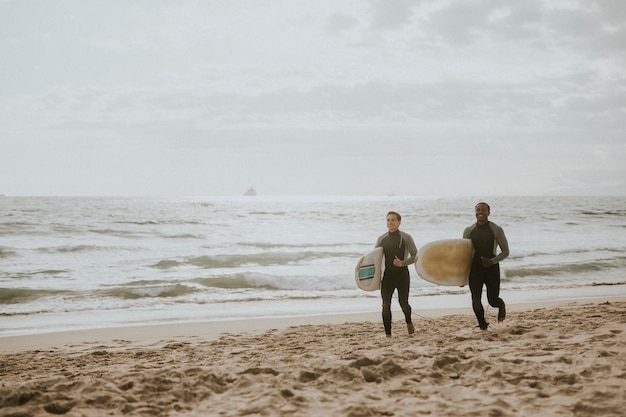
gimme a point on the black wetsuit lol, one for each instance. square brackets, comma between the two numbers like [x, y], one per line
[396, 244]
[485, 239]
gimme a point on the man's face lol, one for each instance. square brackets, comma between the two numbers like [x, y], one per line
[482, 213]
[392, 223]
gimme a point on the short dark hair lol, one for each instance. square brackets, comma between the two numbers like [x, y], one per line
[484, 204]
[395, 214]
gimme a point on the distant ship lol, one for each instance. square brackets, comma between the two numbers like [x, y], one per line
[250, 191]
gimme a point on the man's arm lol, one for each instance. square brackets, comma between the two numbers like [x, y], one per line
[411, 249]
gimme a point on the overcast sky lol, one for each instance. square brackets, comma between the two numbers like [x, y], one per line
[405, 97]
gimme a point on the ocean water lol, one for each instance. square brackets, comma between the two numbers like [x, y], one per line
[74, 263]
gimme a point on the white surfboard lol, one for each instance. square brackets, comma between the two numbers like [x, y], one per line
[369, 270]
[445, 262]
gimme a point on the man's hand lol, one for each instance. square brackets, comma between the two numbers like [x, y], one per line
[486, 262]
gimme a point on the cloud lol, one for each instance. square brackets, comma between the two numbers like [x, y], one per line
[321, 96]
[391, 14]
[340, 22]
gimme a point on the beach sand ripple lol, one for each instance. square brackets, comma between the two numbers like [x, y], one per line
[564, 361]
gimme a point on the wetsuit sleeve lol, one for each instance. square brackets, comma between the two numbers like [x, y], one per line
[468, 231]
[411, 249]
[501, 241]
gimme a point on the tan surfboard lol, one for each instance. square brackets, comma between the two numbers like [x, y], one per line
[445, 262]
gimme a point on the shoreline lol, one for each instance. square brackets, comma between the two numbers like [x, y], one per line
[149, 334]
[44, 323]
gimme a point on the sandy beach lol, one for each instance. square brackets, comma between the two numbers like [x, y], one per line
[557, 359]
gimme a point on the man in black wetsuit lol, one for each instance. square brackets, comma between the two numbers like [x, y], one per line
[486, 236]
[400, 251]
